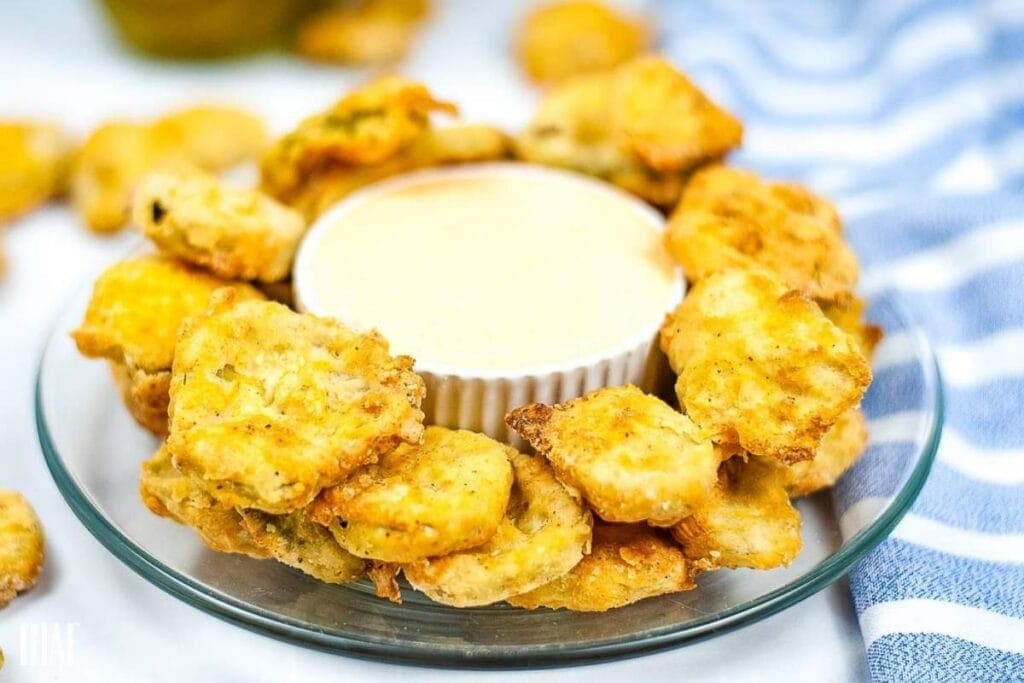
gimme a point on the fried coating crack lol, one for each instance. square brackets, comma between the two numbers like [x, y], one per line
[169, 493]
[631, 456]
[643, 126]
[760, 365]
[21, 546]
[366, 126]
[749, 523]
[433, 147]
[212, 137]
[298, 542]
[269, 406]
[444, 495]
[238, 234]
[628, 562]
[367, 32]
[729, 218]
[566, 39]
[34, 163]
[132, 320]
[544, 534]
[839, 450]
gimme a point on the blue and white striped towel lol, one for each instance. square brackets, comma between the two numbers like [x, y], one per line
[910, 113]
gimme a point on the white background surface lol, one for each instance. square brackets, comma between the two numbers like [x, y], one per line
[56, 61]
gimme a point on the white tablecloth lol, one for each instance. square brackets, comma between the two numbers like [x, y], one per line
[96, 619]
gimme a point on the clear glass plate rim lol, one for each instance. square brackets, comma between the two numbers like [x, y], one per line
[280, 627]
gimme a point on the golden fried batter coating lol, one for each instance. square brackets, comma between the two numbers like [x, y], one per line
[631, 456]
[433, 147]
[108, 167]
[760, 365]
[664, 120]
[574, 37]
[298, 542]
[839, 449]
[269, 406]
[731, 219]
[145, 395]
[21, 546]
[34, 163]
[367, 32]
[643, 126]
[628, 562]
[384, 576]
[750, 523]
[801, 200]
[366, 126]
[848, 315]
[116, 156]
[169, 493]
[444, 495]
[236, 233]
[132, 320]
[212, 137]
[572, 129]
[545, 533]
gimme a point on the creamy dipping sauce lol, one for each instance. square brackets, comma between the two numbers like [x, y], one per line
[492, 267]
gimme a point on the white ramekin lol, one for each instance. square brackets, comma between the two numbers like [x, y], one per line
[471, 399]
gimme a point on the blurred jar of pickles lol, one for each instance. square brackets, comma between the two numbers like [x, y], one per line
[204, 29]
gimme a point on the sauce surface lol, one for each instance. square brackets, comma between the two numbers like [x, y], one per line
[494, 269]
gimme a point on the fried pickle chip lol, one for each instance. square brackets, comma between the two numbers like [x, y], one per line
[169, 493]
[628, 562]
[544, 534]
[760, 365]
[21, 546]
[366, 126]
[34, 163]
[116, 156]
[212, 137]
[572, 130]
[574, 37]
[132, 320]
[839, 450]
[108, 167]
[235, 233]
[269, 406]
[664, 120]
[749, 523]
[433, 147]
[643, 126]
[631, 456]
[367, 32]
[848, 315]
[298, 542]
[731, 219]
[444, 495]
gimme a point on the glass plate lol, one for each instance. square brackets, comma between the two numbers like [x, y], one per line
[93, 450]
